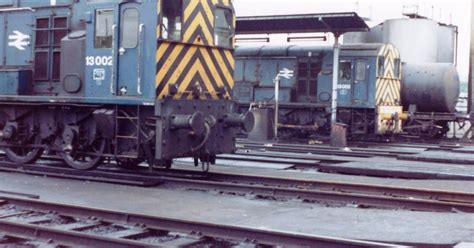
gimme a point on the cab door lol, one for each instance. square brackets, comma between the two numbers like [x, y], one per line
[360, 87]
[113, 67]
[128, 52]
[100, 65]
[345, 85]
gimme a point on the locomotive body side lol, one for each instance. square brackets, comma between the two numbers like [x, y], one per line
[299, 110]
[130, 80]
[368, 85]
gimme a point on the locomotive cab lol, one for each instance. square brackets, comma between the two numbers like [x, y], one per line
[369, 88]
[119, 45]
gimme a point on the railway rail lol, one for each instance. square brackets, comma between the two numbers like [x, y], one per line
[329, 193]
[355, 152]
[439, 162]
[357, 148]
[62, 224]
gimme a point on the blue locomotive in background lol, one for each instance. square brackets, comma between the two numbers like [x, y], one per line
[368, 86]
[126, 80]
[400, 77]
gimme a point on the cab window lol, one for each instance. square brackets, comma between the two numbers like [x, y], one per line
[223, 31]
[129, 29]
[345, 70]
[171, 23]
[396, 70]
[381, 66]
[104, 20]
[361, 70]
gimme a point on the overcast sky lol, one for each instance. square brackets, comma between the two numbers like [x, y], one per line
[457, 12]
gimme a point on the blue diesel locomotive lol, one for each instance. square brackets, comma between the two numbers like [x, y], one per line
[126, 80]
[369, 84]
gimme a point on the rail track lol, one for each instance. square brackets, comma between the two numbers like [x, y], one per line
[28, 220]
[325, 150]
[379, 160]
[327, 193]
[357, 149]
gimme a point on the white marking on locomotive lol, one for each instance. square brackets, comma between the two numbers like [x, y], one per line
[344, 86]
[98, 74]
[19, 40]
[53, 2]
[99, 61]
[286, 73]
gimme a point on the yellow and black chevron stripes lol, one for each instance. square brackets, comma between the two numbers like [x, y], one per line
[388, 85]
[388, 92]
[198, 22]
[390, 53]
[188, 66]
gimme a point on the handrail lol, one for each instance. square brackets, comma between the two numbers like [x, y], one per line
[139, 67]
[114, 60]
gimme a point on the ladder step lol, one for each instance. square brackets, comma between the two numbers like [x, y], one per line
[126, 118]
[126, 137]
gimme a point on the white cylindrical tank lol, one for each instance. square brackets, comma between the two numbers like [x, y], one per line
[416, 39]
[447, 36]
[432, 87]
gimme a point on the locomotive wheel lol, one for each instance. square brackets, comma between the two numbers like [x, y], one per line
[24, 155]
[86, 159]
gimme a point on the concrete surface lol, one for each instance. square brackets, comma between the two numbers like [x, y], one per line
[346, 222]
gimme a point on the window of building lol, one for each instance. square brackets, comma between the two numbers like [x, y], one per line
[345, 70]
[49, 33]
[361, 70]
[104, 20]
[381, 66]
[223, 31]
[129, 29]
[171, 24]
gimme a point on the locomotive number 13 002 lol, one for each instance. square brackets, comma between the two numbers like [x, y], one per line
[99, 61]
